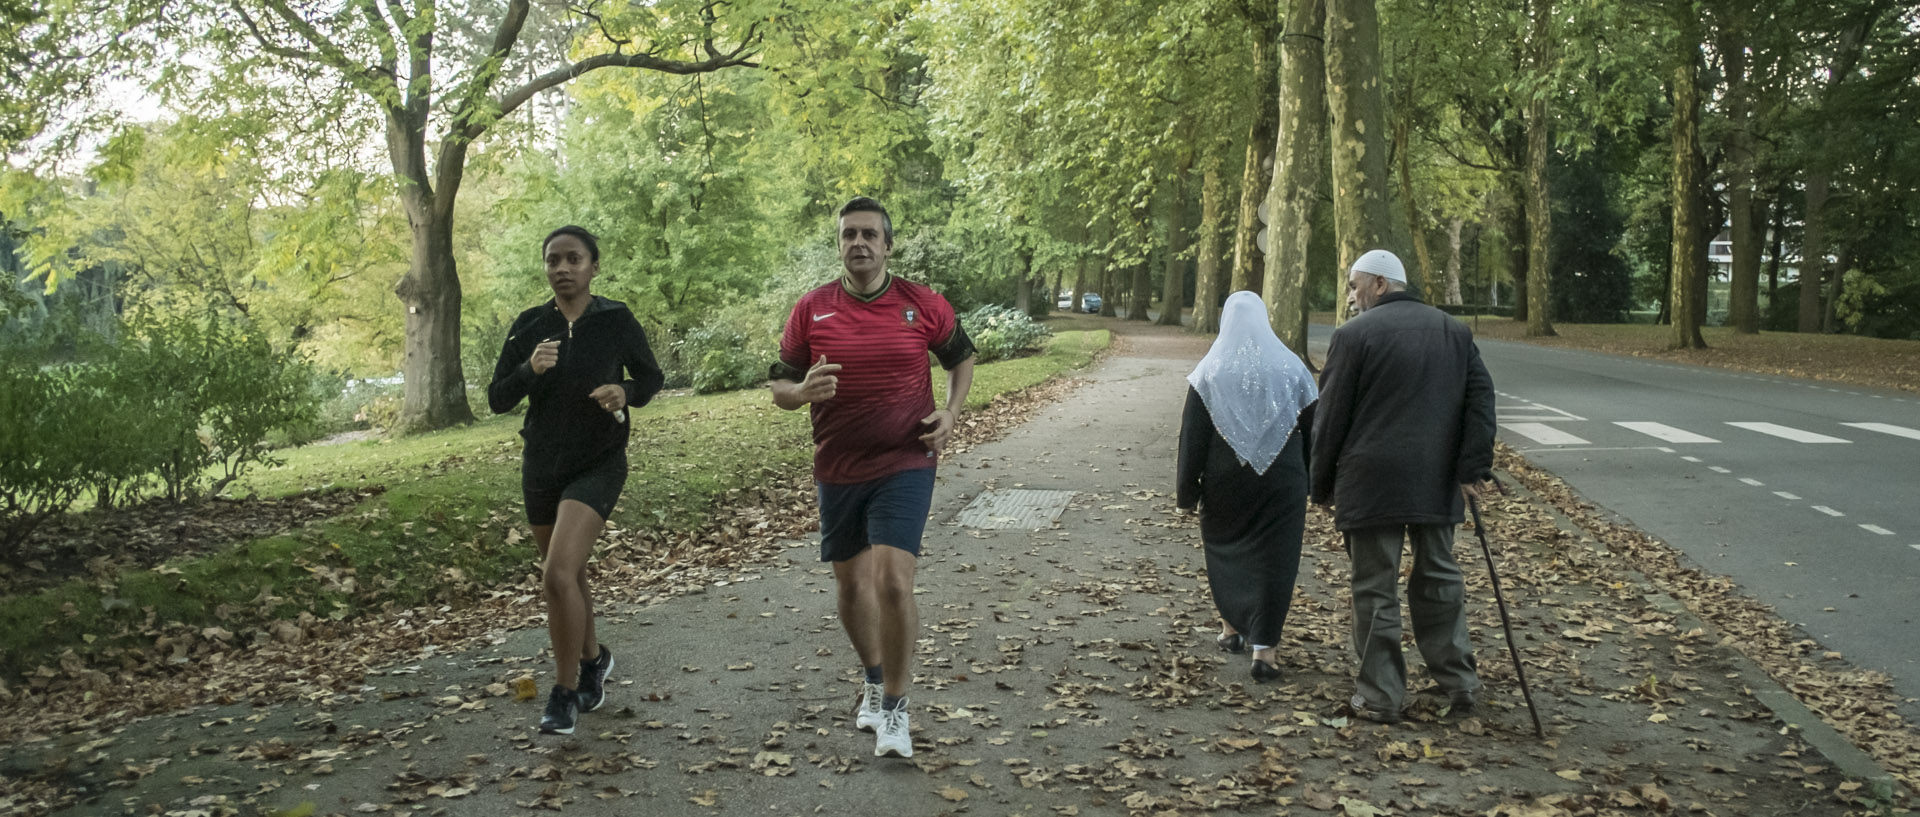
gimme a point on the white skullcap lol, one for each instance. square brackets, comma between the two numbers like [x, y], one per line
[1381, 263]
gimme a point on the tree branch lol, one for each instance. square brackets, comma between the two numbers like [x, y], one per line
[363, 78]
[383, 36]
[740, 56]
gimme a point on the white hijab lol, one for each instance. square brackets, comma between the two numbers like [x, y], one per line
[1252, 384]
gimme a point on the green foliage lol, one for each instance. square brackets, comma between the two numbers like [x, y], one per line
[1000, 332]
[178, 402]
[42, 465]
[213, 388]
[1591, 281]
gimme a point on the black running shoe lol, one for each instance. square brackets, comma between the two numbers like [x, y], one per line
[563, 708]
[593, 680]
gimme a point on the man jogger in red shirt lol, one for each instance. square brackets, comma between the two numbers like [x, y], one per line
[856, 351]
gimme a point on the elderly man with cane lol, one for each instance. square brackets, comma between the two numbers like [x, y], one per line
[1402, 437]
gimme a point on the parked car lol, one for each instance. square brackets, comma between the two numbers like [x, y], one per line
[1090, 303]
[1065, 301]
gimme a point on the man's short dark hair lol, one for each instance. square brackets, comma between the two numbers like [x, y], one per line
[862, 204]
[593, 244]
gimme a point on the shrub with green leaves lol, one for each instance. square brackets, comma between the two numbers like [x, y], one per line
[1000, 332]
[179, 401]
[214, 388]
[41, 472]
[719, 356]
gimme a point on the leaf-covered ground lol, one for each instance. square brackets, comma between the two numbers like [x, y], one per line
[104, 543]
[1068, 670]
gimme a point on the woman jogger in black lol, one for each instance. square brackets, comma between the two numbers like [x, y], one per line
[566, 357]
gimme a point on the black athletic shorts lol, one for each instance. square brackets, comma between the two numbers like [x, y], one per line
[891, 510]
[597, 486]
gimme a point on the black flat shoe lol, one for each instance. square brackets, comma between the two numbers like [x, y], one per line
[1264, 672]
[1232, 643]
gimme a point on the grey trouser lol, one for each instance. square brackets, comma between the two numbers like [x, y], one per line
[1436, 598]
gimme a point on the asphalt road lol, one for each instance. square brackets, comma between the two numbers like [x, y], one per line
[1805, 493]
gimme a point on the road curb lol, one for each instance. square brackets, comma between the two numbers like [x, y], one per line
[1850, 760]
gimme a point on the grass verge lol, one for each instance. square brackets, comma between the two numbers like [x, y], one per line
[447, 529]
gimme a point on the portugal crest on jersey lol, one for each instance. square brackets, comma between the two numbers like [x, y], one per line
[908, 314]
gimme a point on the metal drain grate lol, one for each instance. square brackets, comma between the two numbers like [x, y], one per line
[1015, 510]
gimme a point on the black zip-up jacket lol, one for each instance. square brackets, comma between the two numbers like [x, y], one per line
[1405, 416]
[565, 430]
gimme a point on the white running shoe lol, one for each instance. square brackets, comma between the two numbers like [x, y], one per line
[892, 740]
[868, 714]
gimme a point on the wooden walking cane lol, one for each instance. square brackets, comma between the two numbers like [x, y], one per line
[1505, 623]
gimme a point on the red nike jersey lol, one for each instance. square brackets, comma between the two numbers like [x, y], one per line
[871, 428]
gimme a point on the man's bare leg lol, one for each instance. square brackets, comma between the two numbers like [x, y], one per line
[855, 585]
[898, 614]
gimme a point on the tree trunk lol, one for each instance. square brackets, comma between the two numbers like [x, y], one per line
[435, 395]
[1836, 280]
[1173, 288]
[1207, 297]
[1813, 253]
[1539, 200]
[1517, 244]
[1416, 231]
[1703, 235]
[1108, 290]
[1360, 181]
[1023, 291]
[1453, 259]
[1687, 206]
[1079, 283]
[1776, 237]
[1142, 299]
[1743, 307]
[1248, 269]
[1300, 162]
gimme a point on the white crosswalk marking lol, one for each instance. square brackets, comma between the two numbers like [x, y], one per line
[1662, 431]
[1788, 433]
[1718, 470]
[1876, 529]
[1543, 434]
[1753, 482]
[1884, 428]
[1786, 495]
[1828, 511]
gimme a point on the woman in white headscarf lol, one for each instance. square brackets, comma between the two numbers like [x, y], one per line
[1243, 462]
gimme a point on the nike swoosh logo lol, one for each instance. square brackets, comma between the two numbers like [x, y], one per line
[824, 317]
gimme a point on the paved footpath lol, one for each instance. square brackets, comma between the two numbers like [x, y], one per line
[1068, 670]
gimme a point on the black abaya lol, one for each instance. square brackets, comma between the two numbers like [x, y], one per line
[1251, 523]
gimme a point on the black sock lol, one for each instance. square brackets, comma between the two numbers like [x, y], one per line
[892, 702]
[873, 674]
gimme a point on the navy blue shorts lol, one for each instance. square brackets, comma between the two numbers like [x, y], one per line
[891, 511]
[597, 486]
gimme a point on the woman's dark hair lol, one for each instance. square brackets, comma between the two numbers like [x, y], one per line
[593, 244]
[862, 204]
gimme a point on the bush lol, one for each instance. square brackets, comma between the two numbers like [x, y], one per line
[212, 389]
[1000, 332]
[179, 401]
[41, 467]
[735, 345]
[719, 356]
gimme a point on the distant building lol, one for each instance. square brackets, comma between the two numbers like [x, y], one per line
[1720, 259]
